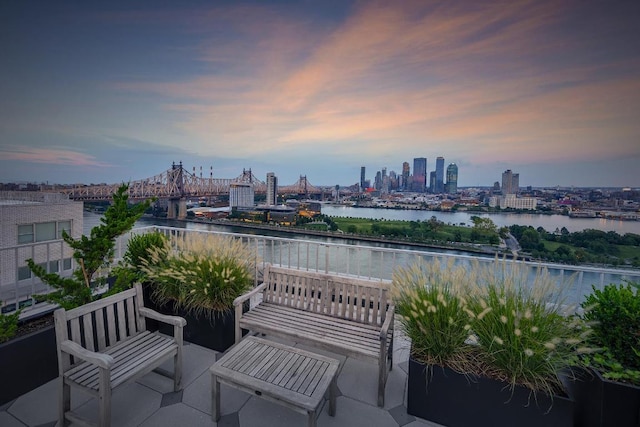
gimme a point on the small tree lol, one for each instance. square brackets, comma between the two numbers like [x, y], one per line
[91, 253]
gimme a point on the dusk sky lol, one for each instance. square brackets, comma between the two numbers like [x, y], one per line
[109, 92]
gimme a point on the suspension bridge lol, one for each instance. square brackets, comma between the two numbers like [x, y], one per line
[178, 184]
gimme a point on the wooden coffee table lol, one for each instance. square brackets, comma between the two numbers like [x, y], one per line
[289, 376]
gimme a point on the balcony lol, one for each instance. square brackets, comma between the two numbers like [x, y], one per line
[151, 401]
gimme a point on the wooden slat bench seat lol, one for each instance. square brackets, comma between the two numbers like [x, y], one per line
[342, 314]
[104, 344]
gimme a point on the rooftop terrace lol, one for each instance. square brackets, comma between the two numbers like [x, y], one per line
[151, 401]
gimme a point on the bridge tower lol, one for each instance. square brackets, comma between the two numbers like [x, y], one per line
[179, 201]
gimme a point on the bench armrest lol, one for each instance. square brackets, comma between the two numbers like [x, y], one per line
[242, 298]
[170, 320]
[388, 321]
[101, 360]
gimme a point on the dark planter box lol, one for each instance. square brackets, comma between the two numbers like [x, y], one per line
[27, 362]
[441, 395]
[215, 332]
[602, 402]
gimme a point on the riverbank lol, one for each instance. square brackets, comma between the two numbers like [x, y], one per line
[460, 247]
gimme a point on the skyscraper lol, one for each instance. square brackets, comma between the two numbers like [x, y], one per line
[510, 182]
[452, 178]
[432, 181]
[405, 175]
[272, 189]
[439, 175]
[362, 179]
[419, 174]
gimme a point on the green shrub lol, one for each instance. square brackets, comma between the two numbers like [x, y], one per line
[615, 314]
[139, 246]
[8, 325]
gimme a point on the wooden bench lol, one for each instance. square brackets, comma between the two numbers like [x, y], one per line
[342, 314]
[104, 344]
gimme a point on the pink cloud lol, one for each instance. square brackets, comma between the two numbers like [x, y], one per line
[403, 79]
[50, 156]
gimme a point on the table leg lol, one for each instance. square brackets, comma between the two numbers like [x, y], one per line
[333, 391]
[215, 398]
[312, 418]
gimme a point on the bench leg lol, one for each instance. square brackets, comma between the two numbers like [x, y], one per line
[104, 399]
[177, 371]
[65, 402]
[215, 398]
[333, 392]
[382, 368]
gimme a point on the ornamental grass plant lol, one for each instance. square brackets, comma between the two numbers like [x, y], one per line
[502, 320]
[201, 273]
[527, 332]
[430, 301]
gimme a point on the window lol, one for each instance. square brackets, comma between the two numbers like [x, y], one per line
[41, 232]
[24, 273]
[63, 225]
[53, 266]
[45, 231]
[66, 264]
[25, 234]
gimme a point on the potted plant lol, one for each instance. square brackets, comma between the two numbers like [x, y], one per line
[29, 360]
[27, 354]
[608, 391]
[198, 277]
[487, 348]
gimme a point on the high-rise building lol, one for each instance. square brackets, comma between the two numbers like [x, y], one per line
[419, 174]
[452, 178]
[439, 175]
[405, 175]
[272, 189]
[362, 178]
[432, 181]
[241, 195]
[510, 182]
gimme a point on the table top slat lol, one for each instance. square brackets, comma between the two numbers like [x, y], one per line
[290, 373]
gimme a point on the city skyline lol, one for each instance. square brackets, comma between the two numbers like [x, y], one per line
[118, 91]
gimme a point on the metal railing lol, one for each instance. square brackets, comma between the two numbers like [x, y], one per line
[362, 260]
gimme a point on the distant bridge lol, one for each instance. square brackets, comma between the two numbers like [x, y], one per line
[178, 183]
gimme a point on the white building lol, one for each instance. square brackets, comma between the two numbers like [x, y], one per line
[241, 195]
[272, 189]
[511, 201]
[31, 225]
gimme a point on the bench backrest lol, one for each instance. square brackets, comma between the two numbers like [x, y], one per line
[100, 324]
[345, 297]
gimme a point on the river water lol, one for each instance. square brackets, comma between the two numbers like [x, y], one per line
[548, 222]
[578, 289]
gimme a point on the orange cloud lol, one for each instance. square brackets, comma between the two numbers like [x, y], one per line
[477, 82]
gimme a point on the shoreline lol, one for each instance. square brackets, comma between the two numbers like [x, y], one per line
[346, 236]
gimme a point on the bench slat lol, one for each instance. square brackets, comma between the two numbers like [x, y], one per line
[121, 319]
[87, 323]
[129, 356]
[111, 325]
[102, 340]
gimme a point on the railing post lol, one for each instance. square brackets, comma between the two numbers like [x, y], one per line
[326, 258]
